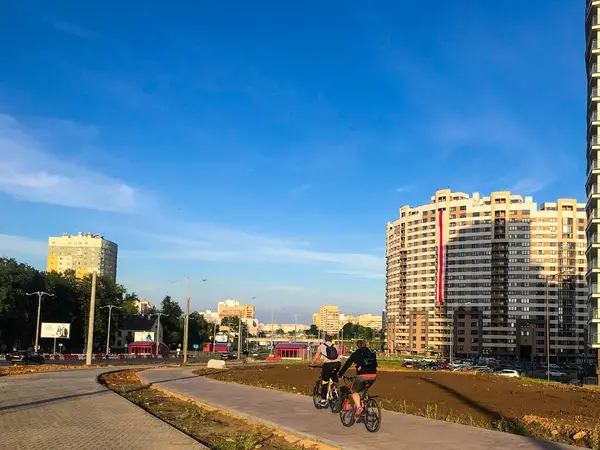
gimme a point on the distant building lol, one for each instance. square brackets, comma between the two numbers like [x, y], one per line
[346, 318]
[143, 306]
[210, 316]
[290, 327]
[233, 308]
[370, 321]
[328, 319]
[135, 326]
[83, 253]
[316, 320]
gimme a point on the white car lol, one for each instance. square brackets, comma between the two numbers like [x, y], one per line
[557, 373]
[508, 373]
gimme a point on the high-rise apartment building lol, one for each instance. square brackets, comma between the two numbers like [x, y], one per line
[592, 187]
[83, 253]
[328, 319]
[474, 269]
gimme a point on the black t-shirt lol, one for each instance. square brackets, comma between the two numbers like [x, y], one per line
[365, 360]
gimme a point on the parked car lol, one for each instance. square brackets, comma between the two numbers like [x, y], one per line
[228, 356]
[508, 373]
[25, 357]
[557, 373]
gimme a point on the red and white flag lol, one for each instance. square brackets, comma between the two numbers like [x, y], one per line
[441, 259]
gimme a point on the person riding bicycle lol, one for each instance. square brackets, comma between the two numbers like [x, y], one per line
[365, 361]
[332, 361]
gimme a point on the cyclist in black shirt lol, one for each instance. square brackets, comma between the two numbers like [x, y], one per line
[365, 361]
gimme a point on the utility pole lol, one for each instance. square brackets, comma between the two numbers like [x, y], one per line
[186, 331]
[110, 308]
[186, 326]
[273, 329]
[40, 295]
[90, 338]
[214, 336]
[295, 326]
[239, 355]
[157, 339]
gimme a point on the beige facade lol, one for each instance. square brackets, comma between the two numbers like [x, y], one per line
[83, 253]
[592, 55]
[498, 252]
[370, 321]
[327, 319]
[233, 308]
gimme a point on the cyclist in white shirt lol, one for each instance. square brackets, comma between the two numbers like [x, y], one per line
[331, 358]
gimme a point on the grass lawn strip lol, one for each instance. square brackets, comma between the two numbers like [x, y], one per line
[215, 428]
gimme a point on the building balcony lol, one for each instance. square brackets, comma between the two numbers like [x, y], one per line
[594, 71]
[594, 290]
[594, 340]
[594, 315]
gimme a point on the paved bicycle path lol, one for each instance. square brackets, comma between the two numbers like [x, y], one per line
[296, 413]
[70, 410]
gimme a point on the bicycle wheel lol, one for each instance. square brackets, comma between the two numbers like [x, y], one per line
[317, 394]
[335, 403]
[372, 415]
[347, 412]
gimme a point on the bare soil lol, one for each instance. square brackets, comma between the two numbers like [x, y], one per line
[24, 369]
[213, 428]
[549, 411]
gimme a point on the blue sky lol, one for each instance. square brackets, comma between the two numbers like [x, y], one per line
[263, 145]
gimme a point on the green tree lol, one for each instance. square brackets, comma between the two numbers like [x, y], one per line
[171, 322]
[313, 331]
[129, 304]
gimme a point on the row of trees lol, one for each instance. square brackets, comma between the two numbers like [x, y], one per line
[70, 304]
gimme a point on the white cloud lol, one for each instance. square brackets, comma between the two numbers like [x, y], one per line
[12, 246]
[228, 245]
[28, 171]
[300, 189]
[406, 188]
[74, 29]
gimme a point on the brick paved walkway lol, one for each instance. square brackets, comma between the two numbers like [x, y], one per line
[70, 410]
[296, 413]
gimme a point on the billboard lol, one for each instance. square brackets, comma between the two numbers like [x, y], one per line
[56, 330]
[143, 336]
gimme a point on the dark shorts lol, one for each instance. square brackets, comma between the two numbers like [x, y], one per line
[362, 383]
[330, 371]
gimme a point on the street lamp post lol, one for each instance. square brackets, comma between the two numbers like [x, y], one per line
[548, 278]
[110, 308]
[40, 295]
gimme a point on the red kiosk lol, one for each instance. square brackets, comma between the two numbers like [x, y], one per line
[148, 348]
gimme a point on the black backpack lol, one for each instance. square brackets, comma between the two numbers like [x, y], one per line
[331, 352]
[368, 358]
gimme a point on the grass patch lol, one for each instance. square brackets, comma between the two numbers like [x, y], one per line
[214, 428]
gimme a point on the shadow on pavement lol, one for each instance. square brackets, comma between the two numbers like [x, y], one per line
[518, 428]
[171, 379]
[50, 400]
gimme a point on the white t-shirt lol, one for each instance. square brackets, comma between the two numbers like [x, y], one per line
[323, 352]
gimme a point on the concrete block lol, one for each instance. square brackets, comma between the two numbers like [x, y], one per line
[215, 364]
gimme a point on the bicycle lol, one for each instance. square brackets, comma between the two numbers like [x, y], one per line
[334, 400]
[371, 415]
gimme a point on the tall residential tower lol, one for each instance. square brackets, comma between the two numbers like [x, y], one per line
[592, 60]
[470, 272]
[83, 253]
